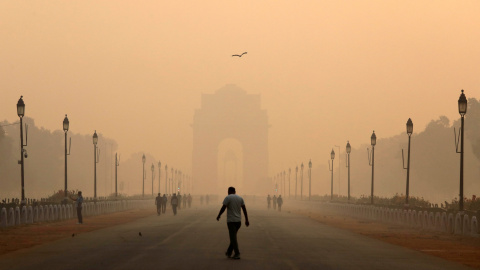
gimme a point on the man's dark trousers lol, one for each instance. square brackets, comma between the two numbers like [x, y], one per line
[233, 228]
[79, 215]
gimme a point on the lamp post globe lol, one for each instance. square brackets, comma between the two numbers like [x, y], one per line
[462, 104]
[95, 138]
[373, 139]
[66, 123]
[409, 127]
[348, 148]
[143, 158]
[20, 107]
[332, 155]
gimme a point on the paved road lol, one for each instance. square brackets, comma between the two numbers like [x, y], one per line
[195, 240]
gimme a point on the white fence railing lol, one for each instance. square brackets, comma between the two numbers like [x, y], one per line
[47, 213]
[426, 220]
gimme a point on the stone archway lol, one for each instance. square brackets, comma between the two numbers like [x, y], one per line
[230, 113]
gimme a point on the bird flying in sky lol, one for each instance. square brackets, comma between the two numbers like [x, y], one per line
[239, 55]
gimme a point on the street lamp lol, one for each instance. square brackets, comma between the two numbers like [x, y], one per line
[117, 163]
[309, 179]
[371, 160]
[171, 179]
[332, 157]
[348, 150]
[462, 110]
[289, 172]
[296, 174]
[23, 153]
[166, 178]
[175, 179]
[159, 174]
[409, 133]
[301, 182]
[66, 125]
[143, 176]
[153, 176]
[95, 153]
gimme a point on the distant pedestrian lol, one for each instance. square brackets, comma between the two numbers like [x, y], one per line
[164, 203]
[184, 201]
[174, 203]
[179, 197]
[269, 201]
[233, 203]
[79, 205]
[274, 202]
[189, 199]
[159, 203]
[280, 202]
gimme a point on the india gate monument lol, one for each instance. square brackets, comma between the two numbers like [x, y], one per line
[230, 143]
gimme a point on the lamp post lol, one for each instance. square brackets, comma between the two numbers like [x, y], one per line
[289, 172]
[171, 179]
[117, 163]
[309, 179]
[21, 113]
[153, 176]
[166, 178]
[371, 160]
[95, 151]
[66, 125]
[409, 133]
[159, 175]
[175, 179]
[339, 170]
[143, 176]
[348, 150]
[462, 109]
[301, 182]
[296, 174]
[284, 184]
[332, 156]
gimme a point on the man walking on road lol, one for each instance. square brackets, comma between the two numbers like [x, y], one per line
[280, 202]
[274, 202]
[174, 203]
[159, 203]
[233, 203]
[164, 203]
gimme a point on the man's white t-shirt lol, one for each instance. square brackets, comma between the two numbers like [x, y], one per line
[234, 203]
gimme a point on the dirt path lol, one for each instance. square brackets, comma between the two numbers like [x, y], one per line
[465, 250]
[25, 236]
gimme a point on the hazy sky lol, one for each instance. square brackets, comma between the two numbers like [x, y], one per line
[327, 71]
